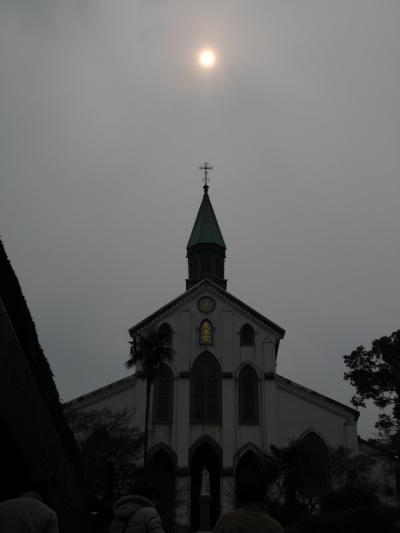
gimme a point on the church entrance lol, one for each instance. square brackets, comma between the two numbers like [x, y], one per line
[160, 473]
[249, 462]
[207, 454]
[248, 467]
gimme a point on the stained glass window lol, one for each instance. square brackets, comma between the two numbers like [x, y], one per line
[206, 333]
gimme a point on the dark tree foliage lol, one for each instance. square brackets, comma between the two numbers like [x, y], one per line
[21, 319]
[300, 485]
[146, 355]
[375, 519]
[296, 481]
[375, 374]
[110, 447]
[350, 484]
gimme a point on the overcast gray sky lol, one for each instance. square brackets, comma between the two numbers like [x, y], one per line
[104, 119]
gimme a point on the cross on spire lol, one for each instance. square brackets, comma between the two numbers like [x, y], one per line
[206, 167]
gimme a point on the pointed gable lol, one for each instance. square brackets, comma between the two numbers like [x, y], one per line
[192, 293]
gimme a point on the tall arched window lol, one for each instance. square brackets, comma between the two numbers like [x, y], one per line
[206, 333]
[205, 390]
[247, 335]
[163, 396]
[165, 333]
[160, 473]
[248, 396]
[315, 464]
[248, 463]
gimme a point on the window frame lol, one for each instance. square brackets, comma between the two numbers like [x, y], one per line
[167, 339]
[247, 335]
[212, 329]
[159, 401]
[206, 374]
[248, 390]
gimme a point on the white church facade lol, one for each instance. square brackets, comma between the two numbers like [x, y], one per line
[220, 399]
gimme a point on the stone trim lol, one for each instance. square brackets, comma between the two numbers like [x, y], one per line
[184, 375]
[227, 375]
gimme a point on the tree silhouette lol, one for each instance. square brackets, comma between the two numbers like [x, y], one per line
[375, 374]
[147, 353]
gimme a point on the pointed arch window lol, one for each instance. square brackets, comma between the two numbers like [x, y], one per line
[163, 396]
[206, 333]
[247, 335]
[248, 396]
[314, 464]
[205, 390]
[165, 333]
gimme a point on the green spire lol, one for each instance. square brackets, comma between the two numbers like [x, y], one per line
[206, 229]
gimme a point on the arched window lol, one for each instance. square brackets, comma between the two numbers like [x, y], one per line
[160, 474]
[248, 396]
[206, 333]
[204, 455]
[165, 333]
[247, 335]
[163, 396]
[315, 464]
[205, 390]
[249, 462]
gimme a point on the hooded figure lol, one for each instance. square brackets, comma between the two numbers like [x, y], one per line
[137, 513]
[250, 514]
[28, 512]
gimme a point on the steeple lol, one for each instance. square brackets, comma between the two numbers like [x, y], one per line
[206, 246]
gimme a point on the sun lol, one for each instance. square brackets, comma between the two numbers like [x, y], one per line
[207, 58]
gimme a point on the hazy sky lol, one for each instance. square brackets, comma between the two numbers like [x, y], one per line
[104, 119]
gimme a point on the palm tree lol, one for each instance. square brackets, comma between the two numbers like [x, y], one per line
[147, 353]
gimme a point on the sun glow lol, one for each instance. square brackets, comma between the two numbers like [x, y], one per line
[207, 58]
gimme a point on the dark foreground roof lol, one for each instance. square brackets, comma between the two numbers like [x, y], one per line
[24, 327]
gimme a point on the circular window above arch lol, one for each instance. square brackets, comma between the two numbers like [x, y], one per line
[206, 304]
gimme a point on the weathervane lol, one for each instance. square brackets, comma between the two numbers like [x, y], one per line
[206, 167]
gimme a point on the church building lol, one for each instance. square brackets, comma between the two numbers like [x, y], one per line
[220, 401]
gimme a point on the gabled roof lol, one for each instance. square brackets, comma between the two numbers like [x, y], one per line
[206, 229]
[216, 288]
[101, 393]
[316, 397]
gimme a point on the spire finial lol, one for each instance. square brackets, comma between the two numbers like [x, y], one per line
[206, 167]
